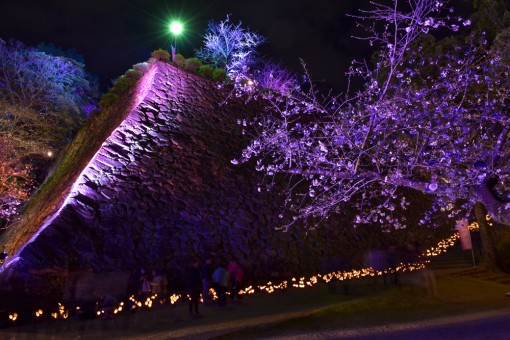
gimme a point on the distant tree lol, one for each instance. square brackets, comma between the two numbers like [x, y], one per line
[433, 122]
[43, 101]
[229, 46]
[35, 79]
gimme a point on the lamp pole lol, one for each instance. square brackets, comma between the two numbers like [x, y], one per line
[176, 29]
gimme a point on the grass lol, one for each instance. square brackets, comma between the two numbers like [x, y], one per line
[372, 306]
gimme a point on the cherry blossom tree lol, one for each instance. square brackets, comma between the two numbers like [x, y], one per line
[428, 121]
[274, 77]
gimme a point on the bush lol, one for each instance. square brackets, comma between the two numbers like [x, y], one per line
[133, 74]
[107, 100]
[161, 54]
[192, 65]
[206, 71]
[503, 251]
[140, 67]
[122, 84]
[179, 60]
[219, 74]
[126, 81]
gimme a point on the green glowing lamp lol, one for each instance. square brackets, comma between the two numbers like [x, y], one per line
[176, 29]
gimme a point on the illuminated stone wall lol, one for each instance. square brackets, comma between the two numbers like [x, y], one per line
[162, 190]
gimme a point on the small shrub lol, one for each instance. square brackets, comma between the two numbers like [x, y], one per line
[107, 100]
[219, 74]
[126, 81]
[133, 74]
[179, 60]
[192, 65]
[140, 67]
[206, 71]
[122, 84]
[161, 54]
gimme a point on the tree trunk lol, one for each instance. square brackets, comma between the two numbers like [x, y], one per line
[489, 258]
[499, 211]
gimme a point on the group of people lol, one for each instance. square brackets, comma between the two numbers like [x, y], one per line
[201, 278]
[408, 255]
[218, 276]
[156, 283]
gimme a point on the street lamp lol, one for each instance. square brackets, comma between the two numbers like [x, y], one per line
[176, 29]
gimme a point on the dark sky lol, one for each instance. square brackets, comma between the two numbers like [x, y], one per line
[115, 34]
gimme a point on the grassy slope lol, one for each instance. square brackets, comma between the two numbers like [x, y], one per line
[374, 306]
[52, 192]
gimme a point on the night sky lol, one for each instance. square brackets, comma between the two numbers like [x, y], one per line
[115, 34]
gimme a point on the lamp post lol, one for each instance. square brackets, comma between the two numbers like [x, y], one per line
[176, 29]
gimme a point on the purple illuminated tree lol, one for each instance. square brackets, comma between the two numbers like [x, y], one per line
[230, 46]
[428, 121]
[32, 78]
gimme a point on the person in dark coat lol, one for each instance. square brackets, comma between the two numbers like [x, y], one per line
[194, 288]
[207, 271]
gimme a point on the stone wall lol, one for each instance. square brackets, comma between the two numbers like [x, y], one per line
[162, 190]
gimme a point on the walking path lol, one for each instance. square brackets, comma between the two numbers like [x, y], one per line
[422, 328]
[165, 324]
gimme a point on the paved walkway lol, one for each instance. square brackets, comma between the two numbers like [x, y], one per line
[172, 323]
[144, 325]
[487, 325]
[164, 322]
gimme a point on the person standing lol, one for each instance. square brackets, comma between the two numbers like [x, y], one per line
[207, 272]
[235, 271]
[194, 288]
[220, 280]
[145, 286]
[156, 283]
